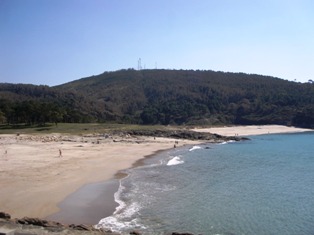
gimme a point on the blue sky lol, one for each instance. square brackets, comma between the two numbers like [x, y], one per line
[52, 42]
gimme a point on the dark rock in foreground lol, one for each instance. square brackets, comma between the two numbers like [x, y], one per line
[35, 226]
[4, 215]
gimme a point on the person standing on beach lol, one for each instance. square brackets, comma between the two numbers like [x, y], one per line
[60, 153]
[5, 154]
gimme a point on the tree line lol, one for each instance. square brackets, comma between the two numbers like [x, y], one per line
[38, 105]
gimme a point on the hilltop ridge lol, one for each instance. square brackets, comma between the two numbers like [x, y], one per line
[181, 97]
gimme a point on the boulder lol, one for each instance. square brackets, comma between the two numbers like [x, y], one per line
[4, 215]
[82, 227]
[135, 233]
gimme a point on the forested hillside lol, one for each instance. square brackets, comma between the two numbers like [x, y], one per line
[30, 104]
[167, 97]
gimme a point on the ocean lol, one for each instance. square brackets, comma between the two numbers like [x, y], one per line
[263, 186]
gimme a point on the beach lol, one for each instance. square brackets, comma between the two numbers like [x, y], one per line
[251, 130]
[36, 179]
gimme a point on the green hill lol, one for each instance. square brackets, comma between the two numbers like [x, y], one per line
[174, 97]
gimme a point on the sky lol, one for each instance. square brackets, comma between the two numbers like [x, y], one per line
[51, 42]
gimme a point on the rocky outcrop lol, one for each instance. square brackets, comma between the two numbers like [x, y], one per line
[36, 226]
[4, 215]
[183, 134]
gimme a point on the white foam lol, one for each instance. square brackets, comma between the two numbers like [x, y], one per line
[194, 148]
[117, 198]
[175, 161]
[111, 223]
[226, 142]
[117, 223]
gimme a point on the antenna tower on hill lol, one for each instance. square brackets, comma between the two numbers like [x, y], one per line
[139, 64]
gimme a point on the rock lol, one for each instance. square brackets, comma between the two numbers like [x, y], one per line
[4, 215]
[33, 221]
[135, 233]
[183, 134]
[38, 226]
[5, 231]
[81, 227]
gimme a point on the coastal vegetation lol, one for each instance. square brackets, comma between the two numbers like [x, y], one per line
[80, 128]
[161, 97]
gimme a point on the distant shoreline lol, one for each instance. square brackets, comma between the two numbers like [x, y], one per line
[32, 171]
[252, 130]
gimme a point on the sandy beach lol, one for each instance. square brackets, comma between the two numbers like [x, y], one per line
[251, 130]
[35, 179]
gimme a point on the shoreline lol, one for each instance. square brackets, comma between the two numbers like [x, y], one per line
[89, 204]
[252, 130]
[101, 204]
[140, 162]
[35, 182]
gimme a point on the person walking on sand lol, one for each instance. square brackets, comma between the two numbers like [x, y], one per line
[60, 153]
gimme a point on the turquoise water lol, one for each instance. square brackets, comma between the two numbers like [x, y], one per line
[263, 186]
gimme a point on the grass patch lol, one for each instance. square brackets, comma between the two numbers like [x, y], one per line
[77, 128]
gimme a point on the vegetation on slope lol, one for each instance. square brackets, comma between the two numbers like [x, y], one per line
[164, 97]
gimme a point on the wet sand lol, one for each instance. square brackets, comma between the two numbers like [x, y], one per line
[88, 204]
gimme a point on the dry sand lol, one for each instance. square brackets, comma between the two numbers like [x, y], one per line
[34, 179]
[251, 130]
